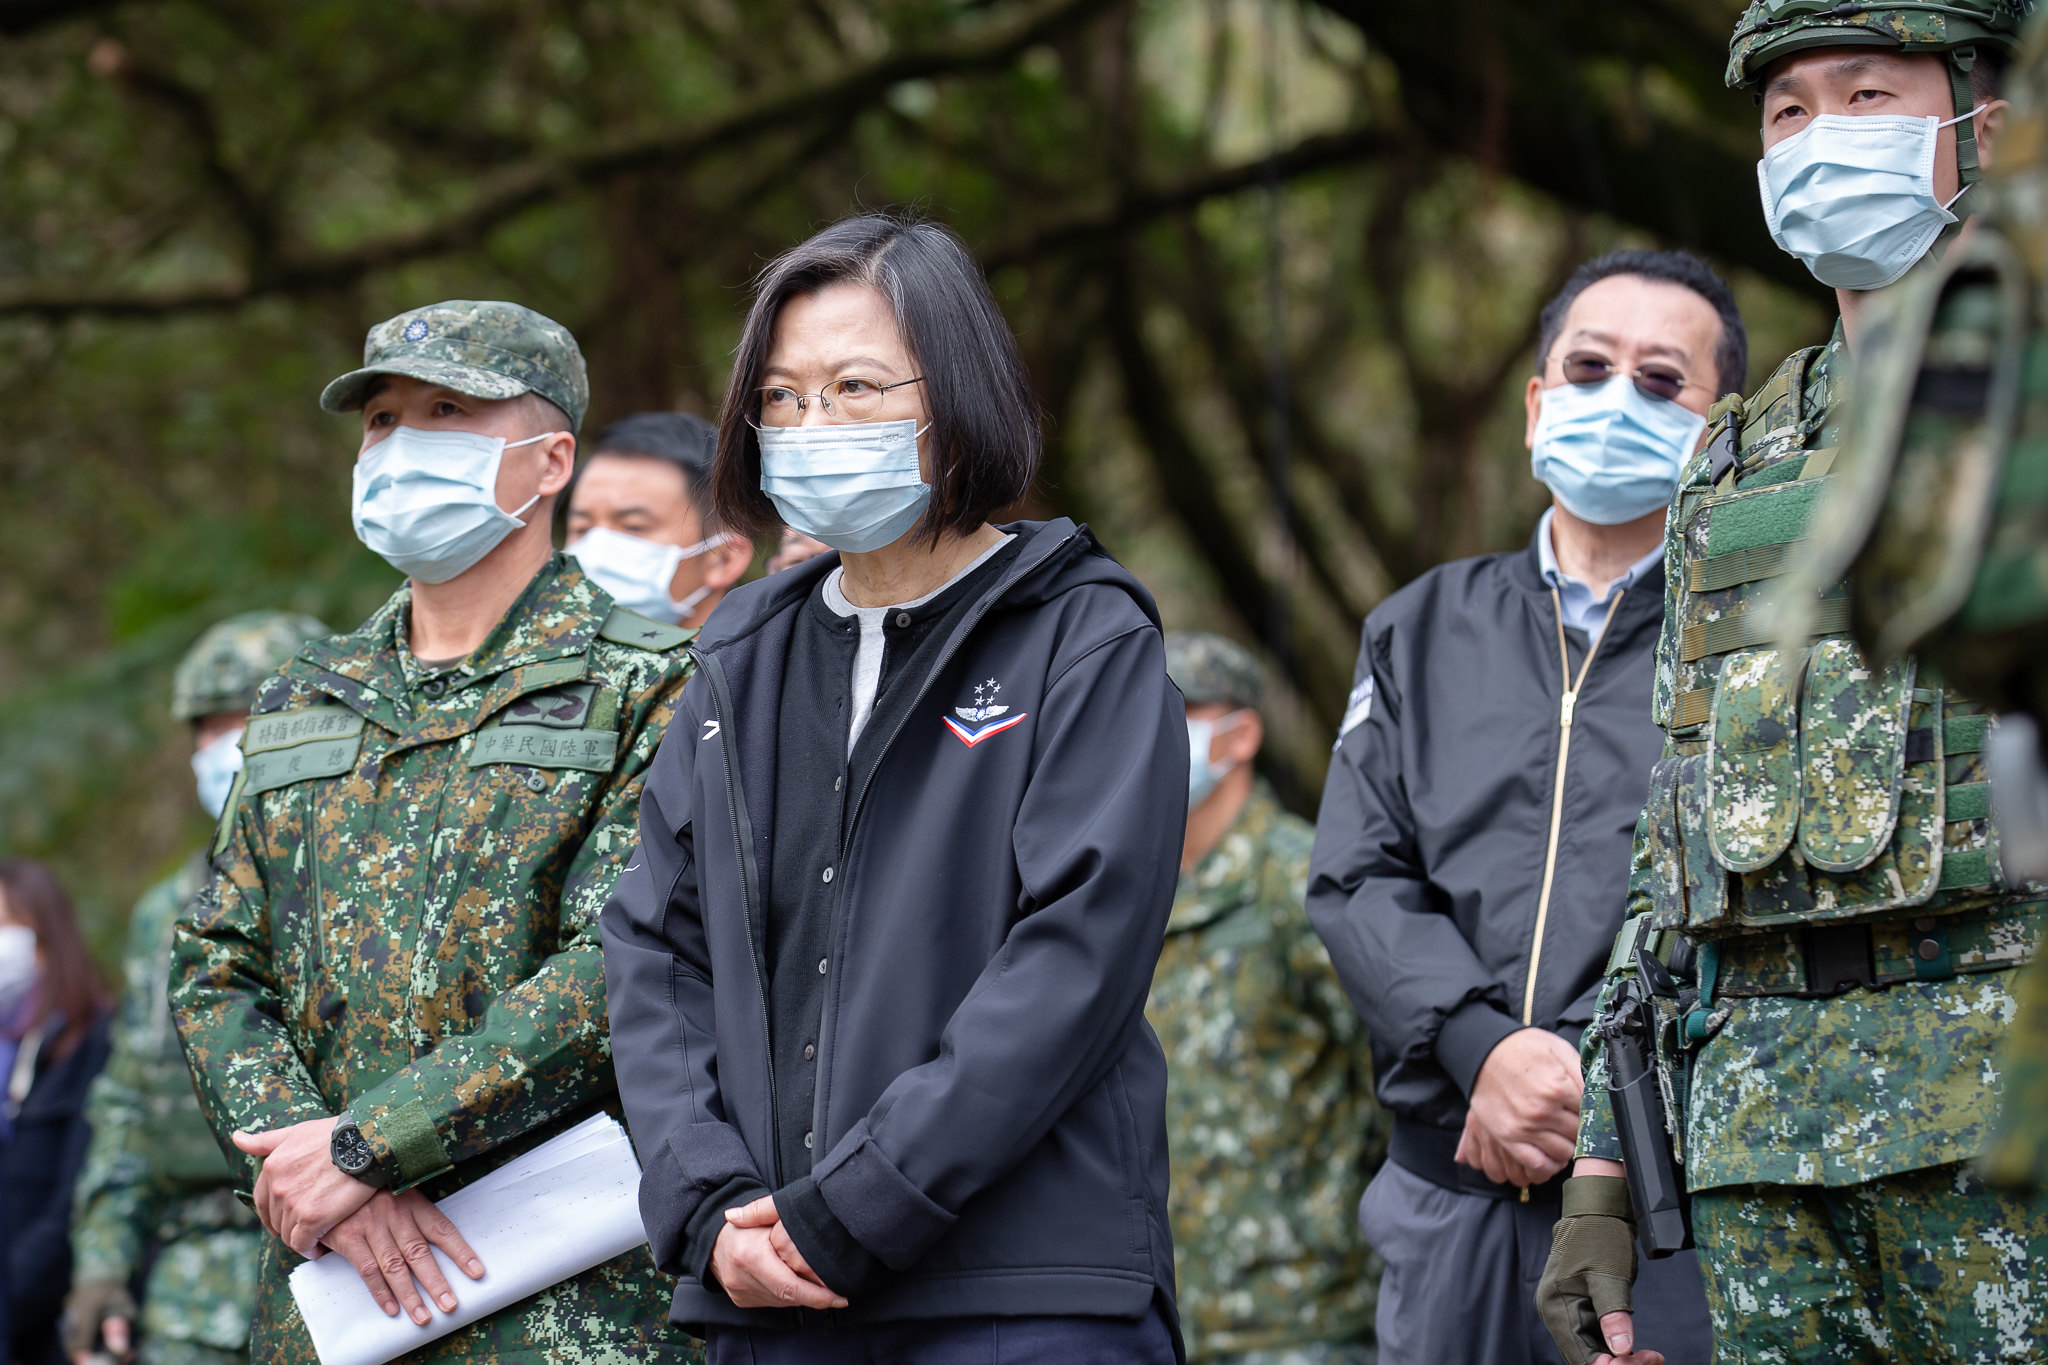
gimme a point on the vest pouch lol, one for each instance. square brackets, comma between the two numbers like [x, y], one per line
[1705, 880]
[1906, 871]
[1752, 767]
[1852, 755]
[1666, 873]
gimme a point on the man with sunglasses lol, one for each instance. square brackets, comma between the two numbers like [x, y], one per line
[1817, 910]
[1471, 853]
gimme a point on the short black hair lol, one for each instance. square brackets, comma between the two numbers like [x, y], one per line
[682, 439]
[1731, 355]
[985, 426]
[1987, 75]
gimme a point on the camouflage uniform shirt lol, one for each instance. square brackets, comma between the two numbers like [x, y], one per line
[403, 923]
[156, 1192]
[1271, 1125]
[1842, 1089]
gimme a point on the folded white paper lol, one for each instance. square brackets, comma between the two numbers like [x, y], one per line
[556, 1211]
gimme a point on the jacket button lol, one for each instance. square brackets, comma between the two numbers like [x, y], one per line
[1929, 950]
[836, 781]
[434, 687]
[536, 782]
[807, 1142]
[902, 618]
[821, 965]
[1925, 924]
[809, 1051]
[828, 876]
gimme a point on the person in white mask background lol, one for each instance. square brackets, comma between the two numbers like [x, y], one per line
[155, 1207]
[641, 520]
[1471, 857]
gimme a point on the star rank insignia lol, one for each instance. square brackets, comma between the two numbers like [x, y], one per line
[984, 719]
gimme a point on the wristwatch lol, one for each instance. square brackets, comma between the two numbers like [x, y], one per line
[351, 1151]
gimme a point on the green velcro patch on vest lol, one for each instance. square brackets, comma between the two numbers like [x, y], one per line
[543, 746]
[1776, 515]
[1966, 869]
[1964, 734]
[284, 729]
[625, 627]
[1967, 801]
[300, 763]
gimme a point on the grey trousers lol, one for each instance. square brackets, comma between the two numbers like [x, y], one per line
[1460, 1282]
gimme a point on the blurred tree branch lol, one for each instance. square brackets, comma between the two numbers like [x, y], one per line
[18, 17]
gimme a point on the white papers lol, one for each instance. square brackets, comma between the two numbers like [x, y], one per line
[567, 1205]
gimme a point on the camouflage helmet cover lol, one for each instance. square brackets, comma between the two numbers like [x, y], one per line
[229, 661]
[1209, 669]
[1771, 29]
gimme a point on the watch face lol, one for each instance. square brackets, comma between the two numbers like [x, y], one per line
[351, 1152]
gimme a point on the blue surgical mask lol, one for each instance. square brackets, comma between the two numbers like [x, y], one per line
[427, 501]
[1853, 197]
[1204, 773]
[637, 571]
[18, 970]
[856, 486]
[215, 764]
[1609, 451]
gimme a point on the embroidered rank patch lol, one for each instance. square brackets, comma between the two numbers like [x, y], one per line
[562, 708]
[985, 718]
[542, 746]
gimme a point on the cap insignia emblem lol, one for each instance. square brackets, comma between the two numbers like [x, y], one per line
[416, 330]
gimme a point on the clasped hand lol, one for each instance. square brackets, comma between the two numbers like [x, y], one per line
[310, 1204]
[1523, 1122]
[760, 1267]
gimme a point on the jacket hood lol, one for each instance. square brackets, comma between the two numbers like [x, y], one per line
[1056, 557]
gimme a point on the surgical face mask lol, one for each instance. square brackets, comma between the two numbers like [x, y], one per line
[1204, 773]
[215, 764]
[855, 486]
[637, 571]
[427, 501]
[1854, 197]
[1610, 452]
[17, 964]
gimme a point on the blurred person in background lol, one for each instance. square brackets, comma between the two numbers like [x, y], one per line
[641, 522]
[1270, 1121]
[1472, 851]
[53, 1041]
[793, 549]
[877, 975]
[164, 1255]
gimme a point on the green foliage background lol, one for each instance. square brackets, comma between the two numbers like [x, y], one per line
[1188, 207]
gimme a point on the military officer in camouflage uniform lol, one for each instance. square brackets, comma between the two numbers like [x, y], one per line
[1940, 523]
[393, 982]
[155, 1215]
[1816, 862]
[1271, 1124]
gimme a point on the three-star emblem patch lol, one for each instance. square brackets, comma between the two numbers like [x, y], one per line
[983, 720]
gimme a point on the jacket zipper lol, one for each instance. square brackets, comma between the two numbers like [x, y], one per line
[1567, 705]
[721, 705]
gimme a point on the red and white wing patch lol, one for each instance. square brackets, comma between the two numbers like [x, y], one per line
[973, 735]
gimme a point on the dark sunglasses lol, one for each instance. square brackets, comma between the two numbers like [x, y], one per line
[1655, 380]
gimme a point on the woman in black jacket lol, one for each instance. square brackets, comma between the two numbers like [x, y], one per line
[53, 1041]
[877, 975]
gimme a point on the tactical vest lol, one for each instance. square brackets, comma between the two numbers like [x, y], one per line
[1803, 789]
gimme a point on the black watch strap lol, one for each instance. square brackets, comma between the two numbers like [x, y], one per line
[352, 1153]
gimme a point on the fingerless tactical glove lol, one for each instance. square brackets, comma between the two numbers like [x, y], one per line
[1592, 1266]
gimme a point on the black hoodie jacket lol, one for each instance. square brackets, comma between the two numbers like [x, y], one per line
[990, 1109]
[1436, 825]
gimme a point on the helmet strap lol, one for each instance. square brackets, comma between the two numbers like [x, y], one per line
[1960, 61]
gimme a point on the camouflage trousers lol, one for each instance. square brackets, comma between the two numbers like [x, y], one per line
[1929, 1266]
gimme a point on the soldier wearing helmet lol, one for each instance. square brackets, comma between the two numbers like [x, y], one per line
[1818, 915]
[164, 1255]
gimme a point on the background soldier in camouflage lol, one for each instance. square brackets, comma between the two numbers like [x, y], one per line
[1272, 1128]
[156, 1218]
[1819, 831]
[395, 970]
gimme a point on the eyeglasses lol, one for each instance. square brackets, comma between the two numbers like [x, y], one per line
[1660, 382]
[851, 399]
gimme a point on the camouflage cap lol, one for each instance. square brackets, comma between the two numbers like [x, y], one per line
[229, 661]
[1210, 669]
[1770, 29]
[485, 349]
